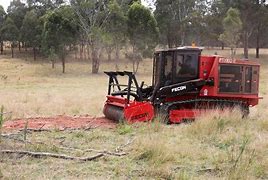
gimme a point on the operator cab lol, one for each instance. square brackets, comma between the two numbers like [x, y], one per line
[177, 65]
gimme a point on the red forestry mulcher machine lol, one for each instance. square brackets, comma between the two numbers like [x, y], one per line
[184, 83]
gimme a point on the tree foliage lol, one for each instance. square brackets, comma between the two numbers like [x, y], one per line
[115, 33]
[232, 26]
[93, 26]
[142, 29]
[60, 30]
[2, 19]
[10, 32]
[92, 16]
[31, 30]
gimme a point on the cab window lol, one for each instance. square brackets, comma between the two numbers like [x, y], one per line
[168, 64]
[186, 67]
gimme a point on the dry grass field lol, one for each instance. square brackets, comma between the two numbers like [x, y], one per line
[215, 146]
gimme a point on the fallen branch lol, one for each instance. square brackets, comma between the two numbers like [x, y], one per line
[96, 151]
[120, 148]
[46, 154]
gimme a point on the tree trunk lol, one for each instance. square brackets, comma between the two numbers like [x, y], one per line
[2, 47]
[12, 50]
[117, 54]
[63, 59]
[63, 63]
[109, 54]
[53, 63]
[88, 52]
[258, 43]
[222, 46]
[34, 53]
[75, 52]
[81, 51]
[19, 46]
[137, 67]
[25, 47]
[245, 44]
[133, 66]
[170, 41]
[257, 52]
[95, 60]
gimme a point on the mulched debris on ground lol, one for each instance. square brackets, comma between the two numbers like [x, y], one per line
[61, 122]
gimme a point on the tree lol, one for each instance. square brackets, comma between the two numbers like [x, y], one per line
[2, 19]
[261, 24]
[92, 15]
[213, 20]
[31, 30]
[10, 33]
[232, 26]
[142, 31]
[115, 30]
[173, 18]
[16, 11]
[60, 30]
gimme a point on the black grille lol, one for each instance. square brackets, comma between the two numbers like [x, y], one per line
[238, 79]
[230, 78]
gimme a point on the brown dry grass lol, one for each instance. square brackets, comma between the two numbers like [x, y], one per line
[219, 145]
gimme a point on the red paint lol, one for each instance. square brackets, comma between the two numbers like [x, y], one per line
[134, 111]
[209, 66]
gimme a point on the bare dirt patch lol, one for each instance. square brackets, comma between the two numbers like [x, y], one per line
[61, 122]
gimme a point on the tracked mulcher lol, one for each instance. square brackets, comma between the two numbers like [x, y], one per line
[184, 83]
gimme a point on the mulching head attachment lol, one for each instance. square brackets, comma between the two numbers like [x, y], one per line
[125, 102]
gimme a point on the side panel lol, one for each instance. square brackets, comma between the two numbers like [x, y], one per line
[233, 79]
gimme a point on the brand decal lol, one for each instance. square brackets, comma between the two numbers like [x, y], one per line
[225, 60]
[180, 88]
[139, 116]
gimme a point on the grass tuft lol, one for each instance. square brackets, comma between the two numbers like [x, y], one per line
[215, 122]
[155, 150]
[124, 128]
[1, 120]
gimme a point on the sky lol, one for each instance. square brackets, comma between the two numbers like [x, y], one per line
[5, 3]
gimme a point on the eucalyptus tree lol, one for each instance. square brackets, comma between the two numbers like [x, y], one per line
[92, 16]
[115, 30]
[2, 19]
[143, 33]
[173, 18]
[31, 30]
[10, 32]
[232, 25]
[60, 30]
[16, 11]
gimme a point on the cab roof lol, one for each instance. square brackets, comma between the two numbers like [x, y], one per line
[184, 48]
